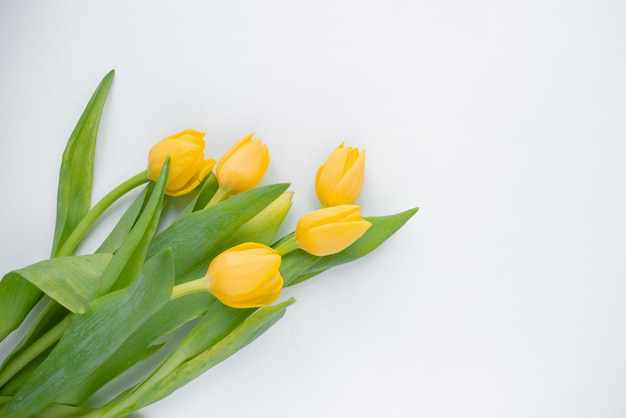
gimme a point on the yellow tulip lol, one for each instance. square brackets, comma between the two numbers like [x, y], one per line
[187, 164]
[330, 230]
[340, 179]
[243, 166]
[245, 276]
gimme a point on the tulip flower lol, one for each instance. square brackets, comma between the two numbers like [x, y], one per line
[187, 164]
[330, 230]
[340, 179]
[244, 276]
[243, 166]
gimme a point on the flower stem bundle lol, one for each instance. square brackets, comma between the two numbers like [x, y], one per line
[213, 276]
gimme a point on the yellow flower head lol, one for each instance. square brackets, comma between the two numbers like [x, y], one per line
[187, 164]
[243, 166]
[246, 276]
[340, 179]
[330, 230]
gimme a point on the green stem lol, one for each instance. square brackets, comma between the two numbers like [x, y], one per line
[188, 288]
[70, 244]
[220, 194]
[38, 347]
[288, 246]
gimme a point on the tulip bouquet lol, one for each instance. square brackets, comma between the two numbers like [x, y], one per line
[187, 294]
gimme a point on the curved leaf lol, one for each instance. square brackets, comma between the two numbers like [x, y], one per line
[76, 176]
[71, 281]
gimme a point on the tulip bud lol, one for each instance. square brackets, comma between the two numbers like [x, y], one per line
[340, 179]
[243, 166]
[330, 230]
[245, 276]
[187, 164]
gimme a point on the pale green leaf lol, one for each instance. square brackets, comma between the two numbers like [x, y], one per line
[76, 176]
[70, 281]
[216, 351]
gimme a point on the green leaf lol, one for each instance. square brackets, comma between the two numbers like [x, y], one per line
[294, 264]
[196, 236]
[76, 176]
[207, 190]
[17, 298]
[248, 331]
[55, 410]
[177, 371]
[382, 228]
[217, 322]
[94, 336]
[128, 259]
[70, 281]
[169, 318]
[124, 226]
[263, 227]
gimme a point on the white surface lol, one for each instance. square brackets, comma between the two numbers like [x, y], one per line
[504, 121]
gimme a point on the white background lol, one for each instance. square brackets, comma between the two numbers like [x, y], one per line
[504, 121]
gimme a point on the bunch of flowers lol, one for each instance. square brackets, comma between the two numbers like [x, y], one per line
[217, 267]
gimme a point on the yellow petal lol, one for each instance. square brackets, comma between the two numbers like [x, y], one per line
[332, 238]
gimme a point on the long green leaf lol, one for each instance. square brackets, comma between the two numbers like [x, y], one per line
[76, 176]
[126, 262]
[169, 318]
[94, 336]
[176, 371]
[248, 331]
[124, 226]
[216, 323]
[70, 281]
